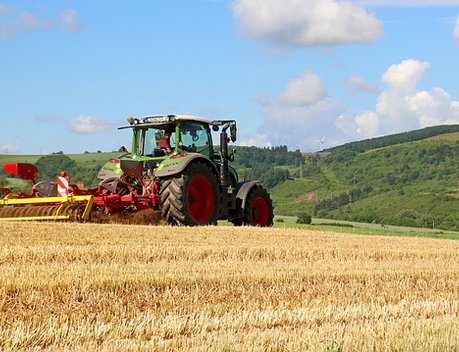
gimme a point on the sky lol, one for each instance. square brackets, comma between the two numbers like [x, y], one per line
[302, 73]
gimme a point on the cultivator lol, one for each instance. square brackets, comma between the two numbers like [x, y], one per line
[74, 208]
[39, 205]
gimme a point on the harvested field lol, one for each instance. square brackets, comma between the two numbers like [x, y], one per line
[105, 287]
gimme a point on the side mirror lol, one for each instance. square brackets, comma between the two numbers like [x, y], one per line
[233, 131]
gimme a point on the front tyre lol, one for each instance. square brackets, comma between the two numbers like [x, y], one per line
[192, 197]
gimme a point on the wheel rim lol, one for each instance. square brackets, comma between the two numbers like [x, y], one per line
[200, 199]
[260, 212]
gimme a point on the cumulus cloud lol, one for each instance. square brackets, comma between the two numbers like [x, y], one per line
[401, 107]
[304, 112]
[358, 84]
[305, 90]
[405, 75]
[25, 21]
[9, 148]
[84, 124]
[303, 23]
[406, 3]
[69, 20]
[456, 29]
[259, 140]
[299, 115]
[17, 21]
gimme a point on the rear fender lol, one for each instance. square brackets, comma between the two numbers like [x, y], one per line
[243, 191]
[175, 164]
[110, 169]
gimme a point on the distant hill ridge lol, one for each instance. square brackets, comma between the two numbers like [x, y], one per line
[398, 138]
[397, 183]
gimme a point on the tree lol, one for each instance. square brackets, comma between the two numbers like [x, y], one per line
[304, 218]
[49, 166]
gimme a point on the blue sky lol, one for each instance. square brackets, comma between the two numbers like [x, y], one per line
[290, 72]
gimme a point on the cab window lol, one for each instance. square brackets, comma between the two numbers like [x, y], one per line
[195, 138]
[150, 141]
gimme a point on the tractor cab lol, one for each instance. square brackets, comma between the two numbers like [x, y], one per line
[158, 136]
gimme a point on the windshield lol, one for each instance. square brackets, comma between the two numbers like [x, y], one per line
[195, 137]
[159, 141]
[156, 141]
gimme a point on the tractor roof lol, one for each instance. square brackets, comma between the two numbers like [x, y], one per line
[162, 120]
[152, 120]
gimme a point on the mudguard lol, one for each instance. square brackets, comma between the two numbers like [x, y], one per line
[110, 169]
[243, 191]
[178, 162]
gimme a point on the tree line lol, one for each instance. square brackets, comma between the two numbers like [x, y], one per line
[398, 138]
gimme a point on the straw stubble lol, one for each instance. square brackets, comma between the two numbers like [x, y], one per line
[125, 287]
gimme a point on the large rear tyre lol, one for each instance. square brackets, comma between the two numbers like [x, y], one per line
[258, 209]
[191, 198]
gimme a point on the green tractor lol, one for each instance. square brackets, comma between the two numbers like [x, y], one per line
[174, 168]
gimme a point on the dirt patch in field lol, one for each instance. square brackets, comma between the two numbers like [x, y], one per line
[309, 197]
[143, 217]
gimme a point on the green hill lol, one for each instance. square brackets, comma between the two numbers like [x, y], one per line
[408, 184]
[398, 138]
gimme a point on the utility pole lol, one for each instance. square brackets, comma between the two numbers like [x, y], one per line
[301, 168]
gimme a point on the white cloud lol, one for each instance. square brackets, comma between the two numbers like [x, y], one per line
[302, 23]
[15, 22]
[299, 115]
[406, 3]
[69, 20]
[84, 124]
[401, 107]
[9, 148]
[358, 84]
[405, 75]
[304, 90]
[367, 124]
[456, 29]
[25, 21]
[259, 140]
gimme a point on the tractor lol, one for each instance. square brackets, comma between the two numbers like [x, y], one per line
[173, 168]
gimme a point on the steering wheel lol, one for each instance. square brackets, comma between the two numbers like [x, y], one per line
[43, 188]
